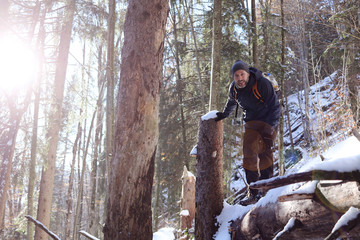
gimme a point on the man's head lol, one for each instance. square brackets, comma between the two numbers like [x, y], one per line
[241, 73]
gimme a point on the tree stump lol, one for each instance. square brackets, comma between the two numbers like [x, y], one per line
[209, 178]
[187, 200]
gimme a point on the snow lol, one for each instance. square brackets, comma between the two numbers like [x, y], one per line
[351, 214]
[307, 188]
[229, 213]
[287, 227]
[209, 115]
[185, 213]
[164, 234]
[342, 156]
[193, 152]
[343, 159]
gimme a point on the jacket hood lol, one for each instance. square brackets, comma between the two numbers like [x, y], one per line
[256, 72]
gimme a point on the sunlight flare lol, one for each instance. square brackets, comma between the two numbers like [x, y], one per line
[18, 64]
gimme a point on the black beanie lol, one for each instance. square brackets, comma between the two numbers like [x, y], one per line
[239, 65]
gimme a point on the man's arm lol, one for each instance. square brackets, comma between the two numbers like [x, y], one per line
[229, 106]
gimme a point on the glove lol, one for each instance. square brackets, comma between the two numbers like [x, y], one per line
[220, 116]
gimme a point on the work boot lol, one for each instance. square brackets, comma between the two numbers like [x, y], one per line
[251, 199]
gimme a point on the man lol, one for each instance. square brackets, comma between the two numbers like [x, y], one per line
[256, 96]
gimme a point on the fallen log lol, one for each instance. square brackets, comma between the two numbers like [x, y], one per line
[315, 219]
[306, 176]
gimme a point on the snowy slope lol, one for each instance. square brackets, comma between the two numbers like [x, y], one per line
[331, 125]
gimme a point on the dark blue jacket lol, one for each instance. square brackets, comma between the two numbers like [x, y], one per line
[254, 109]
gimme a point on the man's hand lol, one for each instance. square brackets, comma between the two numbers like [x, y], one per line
[220, 116]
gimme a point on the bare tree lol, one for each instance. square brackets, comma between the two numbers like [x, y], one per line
[136, 127]
[47, 176]
[216, 56]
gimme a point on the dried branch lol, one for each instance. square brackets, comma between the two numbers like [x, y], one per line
[40, 225]
[88, 235]
[347, 226]
[356, 134]
[306, 176]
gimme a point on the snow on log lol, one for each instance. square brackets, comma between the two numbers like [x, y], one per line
[268, 217]
[347, 169]
[209, 178]
[291, 225]
[345, 224]
[193, 151]
[306, 176]
[307, 191]
[41, 226]
[88, 235]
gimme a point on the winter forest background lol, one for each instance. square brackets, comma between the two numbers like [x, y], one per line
[60, 74]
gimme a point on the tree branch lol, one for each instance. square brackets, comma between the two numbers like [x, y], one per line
[306, 176]
[88, 235]
[40, 225]
[353, 219]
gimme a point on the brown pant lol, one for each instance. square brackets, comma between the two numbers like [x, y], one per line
[258, 145]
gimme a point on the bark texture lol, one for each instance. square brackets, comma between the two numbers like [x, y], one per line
[136, 126]
[209, 178]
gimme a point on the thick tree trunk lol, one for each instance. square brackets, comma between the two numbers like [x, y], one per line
[47, 176]
[315, 218]
[136, 127]
[209, 178]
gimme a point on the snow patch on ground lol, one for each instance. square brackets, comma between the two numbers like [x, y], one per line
[164, 234]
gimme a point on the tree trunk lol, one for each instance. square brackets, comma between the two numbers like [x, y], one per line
[110, 80]
[281, 127]
[180, 90]
[77, 221]
[69, 199]
[94, 163]
[216, 57]
[7, 143]
[314, 218]
[209, 178]
[202, 90]
[254, 34]
[47, 176]
[32, 165]
[136, 128]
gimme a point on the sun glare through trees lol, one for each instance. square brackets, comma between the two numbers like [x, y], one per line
[18, 64]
